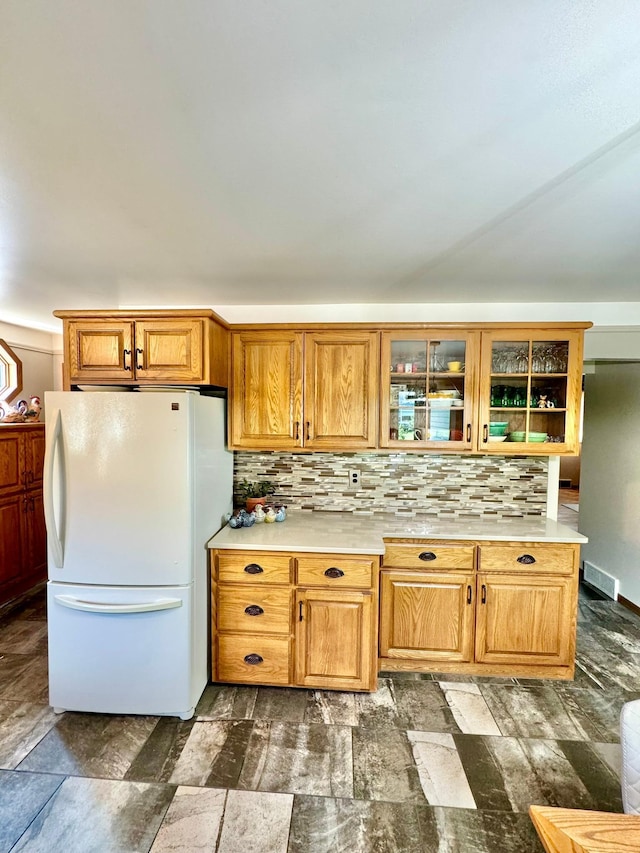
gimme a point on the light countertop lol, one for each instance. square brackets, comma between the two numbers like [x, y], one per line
[347, 533]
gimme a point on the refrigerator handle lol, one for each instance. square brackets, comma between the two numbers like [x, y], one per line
[98, 607]
[57, 549]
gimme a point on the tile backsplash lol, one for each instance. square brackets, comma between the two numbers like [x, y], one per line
[406, 484]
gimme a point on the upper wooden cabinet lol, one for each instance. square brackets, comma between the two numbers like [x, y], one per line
[503, 390]
[172, 347]
[294, 389]
[428, 389]
[530, 388]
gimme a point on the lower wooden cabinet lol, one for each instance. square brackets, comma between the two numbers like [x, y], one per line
[335, 640]
[427, 616]
[23, 538]
[527, 619]
[305, 620]
[517, 619]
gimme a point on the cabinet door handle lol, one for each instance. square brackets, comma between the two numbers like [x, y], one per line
[254, 610]
[526, 559]
[468, 432]
[427, 556]
[253, 659]
[126, 353]
[485, 432]
[308, 430]
[25, 504]
[297, 436]
[300, 606]
[483, 599]
[469, 594]
[253, 569]
[139, 366]
[334, 572]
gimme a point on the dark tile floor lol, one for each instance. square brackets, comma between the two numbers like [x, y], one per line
[427, 763]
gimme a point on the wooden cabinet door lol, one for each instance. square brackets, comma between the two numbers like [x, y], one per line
[12, 466]
[35, 538]
[34, 440]
[525, 619]
[12, 526]
[266, 401]
[100, 350]
[335, 640]
[427, 616]
[530, 390]
[341, 389]
[169, 350]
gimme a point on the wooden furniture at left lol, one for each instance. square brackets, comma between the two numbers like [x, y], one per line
[303, 620]
[578, 831]
[23, 540]
[186, 347]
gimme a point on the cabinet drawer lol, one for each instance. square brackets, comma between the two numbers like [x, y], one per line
[335, 571]
[429, 555]
[254, 567]
[528, 557]
[256, 609]
[259, 660]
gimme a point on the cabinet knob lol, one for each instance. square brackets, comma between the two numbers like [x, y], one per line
[253, 659]
[427, 556]
[253, 569]
[334, 572]
[254, 610]
[526, 559]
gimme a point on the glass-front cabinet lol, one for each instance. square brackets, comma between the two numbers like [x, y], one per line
[427, 388]
[530, 386]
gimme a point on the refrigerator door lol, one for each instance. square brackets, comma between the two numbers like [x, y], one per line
[122, 650]
[119, 487]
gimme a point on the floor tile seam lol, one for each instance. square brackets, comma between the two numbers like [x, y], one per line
[75, 775]
[38, 813]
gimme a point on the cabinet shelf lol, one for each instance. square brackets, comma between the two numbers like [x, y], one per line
[523, 409]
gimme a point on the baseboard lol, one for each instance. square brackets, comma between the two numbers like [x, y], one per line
[629, 604]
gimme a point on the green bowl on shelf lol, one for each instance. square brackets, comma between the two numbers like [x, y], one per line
[516, 436]
[498, 427]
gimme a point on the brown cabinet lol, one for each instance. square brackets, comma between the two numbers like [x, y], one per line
[514, 614]
[427, 616]
[530, 390]
[305, 620]
[508, 390]
[317, 390]
[172, 347]
[23, 550]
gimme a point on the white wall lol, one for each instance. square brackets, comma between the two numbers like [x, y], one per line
[41, 357]
[610, 474]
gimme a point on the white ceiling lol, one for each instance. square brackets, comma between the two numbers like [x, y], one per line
[213, 152]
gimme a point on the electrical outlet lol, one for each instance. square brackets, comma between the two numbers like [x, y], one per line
[354, 478]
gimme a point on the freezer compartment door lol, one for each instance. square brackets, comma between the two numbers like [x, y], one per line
[123, 650]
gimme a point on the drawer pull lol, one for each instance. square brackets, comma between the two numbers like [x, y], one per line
[254, 610]
[427, 556]
[253, 659]
[334, 572]
[526, 559]
[253, 569]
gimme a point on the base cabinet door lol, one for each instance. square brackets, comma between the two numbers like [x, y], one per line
[525, 619]
[335, 637]
[427, 616]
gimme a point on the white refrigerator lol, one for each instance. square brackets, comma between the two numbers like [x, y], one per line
[135, 483]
